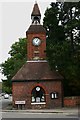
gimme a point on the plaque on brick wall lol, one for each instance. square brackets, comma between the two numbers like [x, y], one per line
[20, 102]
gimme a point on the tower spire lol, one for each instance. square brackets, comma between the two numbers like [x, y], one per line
[36, 15]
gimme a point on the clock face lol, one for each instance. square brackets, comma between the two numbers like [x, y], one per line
[37, 88]
[36, 41]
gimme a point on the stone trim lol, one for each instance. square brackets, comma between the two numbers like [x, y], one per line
[37, 61]
[35, 103]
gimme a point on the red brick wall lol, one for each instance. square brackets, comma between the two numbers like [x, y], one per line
[22, 91]
[31, 48]
[71, 101]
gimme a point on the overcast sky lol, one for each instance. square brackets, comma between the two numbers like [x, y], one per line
[15, 18]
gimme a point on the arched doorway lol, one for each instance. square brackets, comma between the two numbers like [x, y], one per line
[38, 95]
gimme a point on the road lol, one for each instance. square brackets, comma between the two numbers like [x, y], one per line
[40, 119]
[6, 102]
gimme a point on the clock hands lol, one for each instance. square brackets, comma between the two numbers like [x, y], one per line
[36, 41]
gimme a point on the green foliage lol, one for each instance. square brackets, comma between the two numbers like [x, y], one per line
[18, 57]
[6, 88]
[62, 21]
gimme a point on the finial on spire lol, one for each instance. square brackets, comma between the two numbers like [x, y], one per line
[35, 1]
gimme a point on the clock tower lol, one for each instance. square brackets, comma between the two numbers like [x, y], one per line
[36, 35]
[35, 85]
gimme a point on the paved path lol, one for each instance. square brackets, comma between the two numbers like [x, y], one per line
[54, 113]
[37, 115]
[57, 110]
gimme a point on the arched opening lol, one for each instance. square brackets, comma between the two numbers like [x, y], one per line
[38, 95]
[36, 20]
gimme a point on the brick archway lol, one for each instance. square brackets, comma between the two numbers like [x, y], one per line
[38, 95]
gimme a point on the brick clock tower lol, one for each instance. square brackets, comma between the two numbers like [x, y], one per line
[36, 36]
[35, 86]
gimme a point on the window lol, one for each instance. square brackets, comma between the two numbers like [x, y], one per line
[38, 94]
[54, 95]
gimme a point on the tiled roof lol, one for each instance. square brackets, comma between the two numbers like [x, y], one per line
[36, 11]
[36, 71]
[36, 29]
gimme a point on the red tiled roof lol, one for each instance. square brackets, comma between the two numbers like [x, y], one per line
[36, 11]
[36, 71]
[36, 29]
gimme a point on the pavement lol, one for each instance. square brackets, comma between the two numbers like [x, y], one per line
[57, 110]
[49, 113]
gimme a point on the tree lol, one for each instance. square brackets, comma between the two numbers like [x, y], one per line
[18, 56]
[71, 23]
[62, 21]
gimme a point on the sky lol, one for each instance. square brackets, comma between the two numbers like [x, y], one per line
[15, 19]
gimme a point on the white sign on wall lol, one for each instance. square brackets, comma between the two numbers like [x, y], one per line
[20, 102]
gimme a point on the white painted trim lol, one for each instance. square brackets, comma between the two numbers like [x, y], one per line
[37, 61]
[41, 103]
